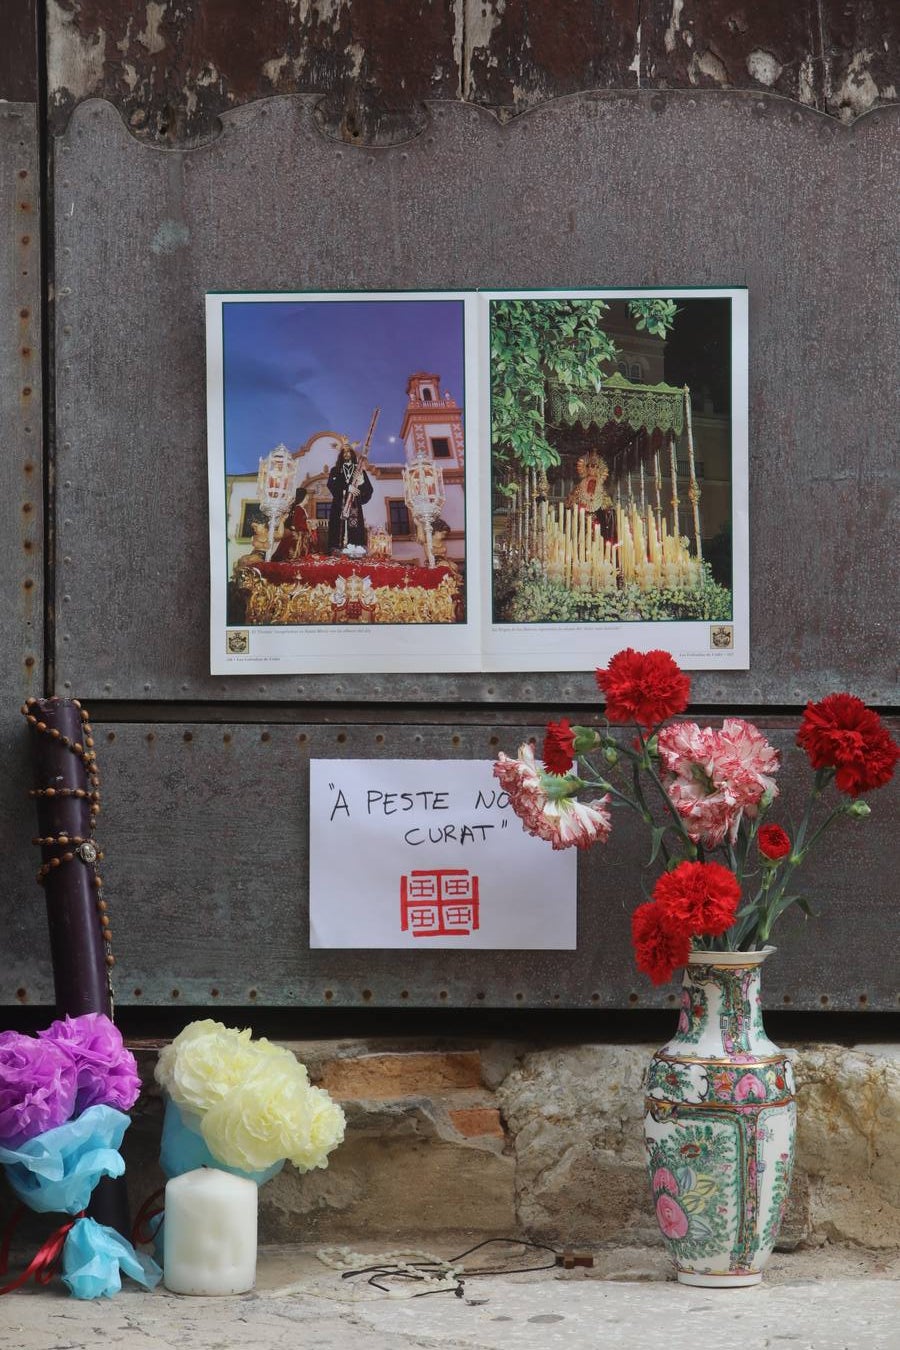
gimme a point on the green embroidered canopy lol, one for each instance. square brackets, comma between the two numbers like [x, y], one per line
[642, 407]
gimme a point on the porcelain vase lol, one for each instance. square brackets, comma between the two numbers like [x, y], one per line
[719, 1126]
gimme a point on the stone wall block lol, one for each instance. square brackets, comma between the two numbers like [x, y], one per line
[796, 1226]
[384, 1076]
[475, 1122]
[849, 1142]
[498, 1139]
[574, 1119]
[402, 1172]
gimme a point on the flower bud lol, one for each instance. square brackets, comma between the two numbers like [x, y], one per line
[859, 810]
[585, 739]
[611, 755]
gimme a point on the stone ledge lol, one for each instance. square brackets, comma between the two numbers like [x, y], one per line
[546, 1142]
[574, 1122]
[830, 1298]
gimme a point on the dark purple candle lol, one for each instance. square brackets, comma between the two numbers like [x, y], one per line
[67, 797]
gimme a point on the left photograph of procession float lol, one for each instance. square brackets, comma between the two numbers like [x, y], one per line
[337, 464]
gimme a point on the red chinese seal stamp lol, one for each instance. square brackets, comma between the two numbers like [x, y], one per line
[440, 902]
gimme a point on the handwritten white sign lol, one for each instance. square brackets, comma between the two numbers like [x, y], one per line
[428, 853]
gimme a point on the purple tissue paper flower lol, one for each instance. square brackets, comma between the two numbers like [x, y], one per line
[107, 1072]
[38, 1082]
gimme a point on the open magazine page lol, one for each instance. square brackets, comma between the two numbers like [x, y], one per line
[344, 527]
[617, 477]
[498, 481]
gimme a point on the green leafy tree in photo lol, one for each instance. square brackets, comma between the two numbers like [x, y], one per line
[656, 316]
[561, 342]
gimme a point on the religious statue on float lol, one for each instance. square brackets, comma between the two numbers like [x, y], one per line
[350, 488]
[295, 539]
[590, 492]
[259, 538]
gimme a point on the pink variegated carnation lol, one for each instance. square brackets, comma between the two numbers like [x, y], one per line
[683, 746]
[714, 777]
[521, 779]
[565, 822]
[551, 815]
[747, 761]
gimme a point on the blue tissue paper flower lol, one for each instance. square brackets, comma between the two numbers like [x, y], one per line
[95, 1257]
[56, 1171]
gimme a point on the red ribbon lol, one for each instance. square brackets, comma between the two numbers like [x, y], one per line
[43, 1265]
[141, 1232]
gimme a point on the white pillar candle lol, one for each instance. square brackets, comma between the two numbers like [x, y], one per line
[209, 1236]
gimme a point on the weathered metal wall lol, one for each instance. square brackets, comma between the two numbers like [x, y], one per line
[21, 463]
[375, 167]
[21, 475]
[207, 876]
[173, 68]
[610, 189]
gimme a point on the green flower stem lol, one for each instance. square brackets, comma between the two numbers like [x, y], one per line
[770, 909]
[761, 903]
[625, 750]
[604, 785]
[746, 834]
[642, 761]
[823, 776]
[838, 811]
[692, 848]
[639, 805]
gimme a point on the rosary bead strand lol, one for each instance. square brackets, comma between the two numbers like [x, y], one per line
[76, 846]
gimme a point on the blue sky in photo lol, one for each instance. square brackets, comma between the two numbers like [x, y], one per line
[292, 368]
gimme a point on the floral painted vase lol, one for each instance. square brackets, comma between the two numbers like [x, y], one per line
[719, 1126]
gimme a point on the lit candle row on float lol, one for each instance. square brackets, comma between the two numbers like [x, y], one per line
[576, 552]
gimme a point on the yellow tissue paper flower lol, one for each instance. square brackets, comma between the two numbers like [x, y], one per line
[207, 1060]
[273, 1114]
[164, 1072]
[324, 1132]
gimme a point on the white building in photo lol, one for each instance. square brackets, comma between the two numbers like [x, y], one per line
[432, 426]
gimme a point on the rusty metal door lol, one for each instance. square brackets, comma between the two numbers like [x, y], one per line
[323, 148]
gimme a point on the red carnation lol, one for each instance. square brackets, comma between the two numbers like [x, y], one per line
[643, 687]
[698, 898]
[842, 733]
[559, 747]
[773, 843]
[659, 948]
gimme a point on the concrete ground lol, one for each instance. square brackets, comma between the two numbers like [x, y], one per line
[824, 1299]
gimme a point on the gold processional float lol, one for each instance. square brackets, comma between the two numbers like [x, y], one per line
[349, 588]
[637, 539]
[642, 544]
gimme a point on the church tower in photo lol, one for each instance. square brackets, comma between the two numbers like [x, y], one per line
[432, 423]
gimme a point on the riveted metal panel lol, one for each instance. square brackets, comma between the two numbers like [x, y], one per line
[21, 469]
[206, 835]
[19, 53]
[642, 189]
[21, 514]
